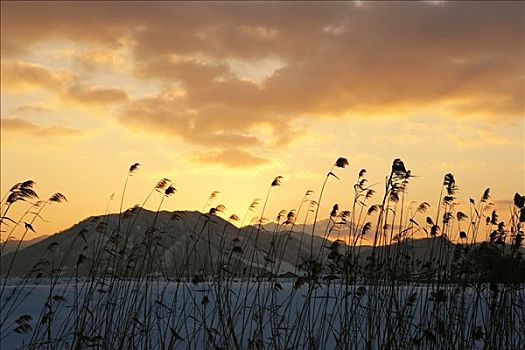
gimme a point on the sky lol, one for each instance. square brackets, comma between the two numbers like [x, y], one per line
[223, 96]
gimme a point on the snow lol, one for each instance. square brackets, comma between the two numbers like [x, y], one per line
[154, 312]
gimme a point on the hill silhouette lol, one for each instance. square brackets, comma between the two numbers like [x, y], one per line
[204, 239]
[189, 243]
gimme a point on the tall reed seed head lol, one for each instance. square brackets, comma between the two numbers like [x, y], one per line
[133, 167]
[277, 181]
[57, 198]
[169, 191]
[161, 185]
[341, 162]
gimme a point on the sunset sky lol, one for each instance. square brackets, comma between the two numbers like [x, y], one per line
[226, 96]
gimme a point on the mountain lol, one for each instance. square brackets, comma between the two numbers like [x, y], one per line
[320, 227]
[10, 246]
[190, 243]
[173, 243]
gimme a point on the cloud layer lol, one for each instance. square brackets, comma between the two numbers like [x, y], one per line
[307, 60]
[18, 126]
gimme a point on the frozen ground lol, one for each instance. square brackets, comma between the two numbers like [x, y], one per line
[242, 314]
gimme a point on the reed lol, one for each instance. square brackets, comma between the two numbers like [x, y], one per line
[169, 280]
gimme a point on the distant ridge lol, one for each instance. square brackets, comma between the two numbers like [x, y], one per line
[175, 232]
[186, 243]
[11, 245]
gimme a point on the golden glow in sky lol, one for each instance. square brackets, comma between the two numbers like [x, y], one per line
[226, 96]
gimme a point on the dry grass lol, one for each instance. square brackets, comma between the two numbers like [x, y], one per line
[224, 291]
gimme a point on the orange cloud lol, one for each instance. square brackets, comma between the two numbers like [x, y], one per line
[17, 126]
[338, 57]
[335, 59]
[95, 95]
[20, 75]
[100, 58]
[167, 113]
[230, 157]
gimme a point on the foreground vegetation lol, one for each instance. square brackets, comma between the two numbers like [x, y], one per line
[114, 284]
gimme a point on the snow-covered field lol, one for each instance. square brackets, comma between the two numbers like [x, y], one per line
[242, 314]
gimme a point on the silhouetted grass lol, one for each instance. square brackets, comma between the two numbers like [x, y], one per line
[116, 284]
